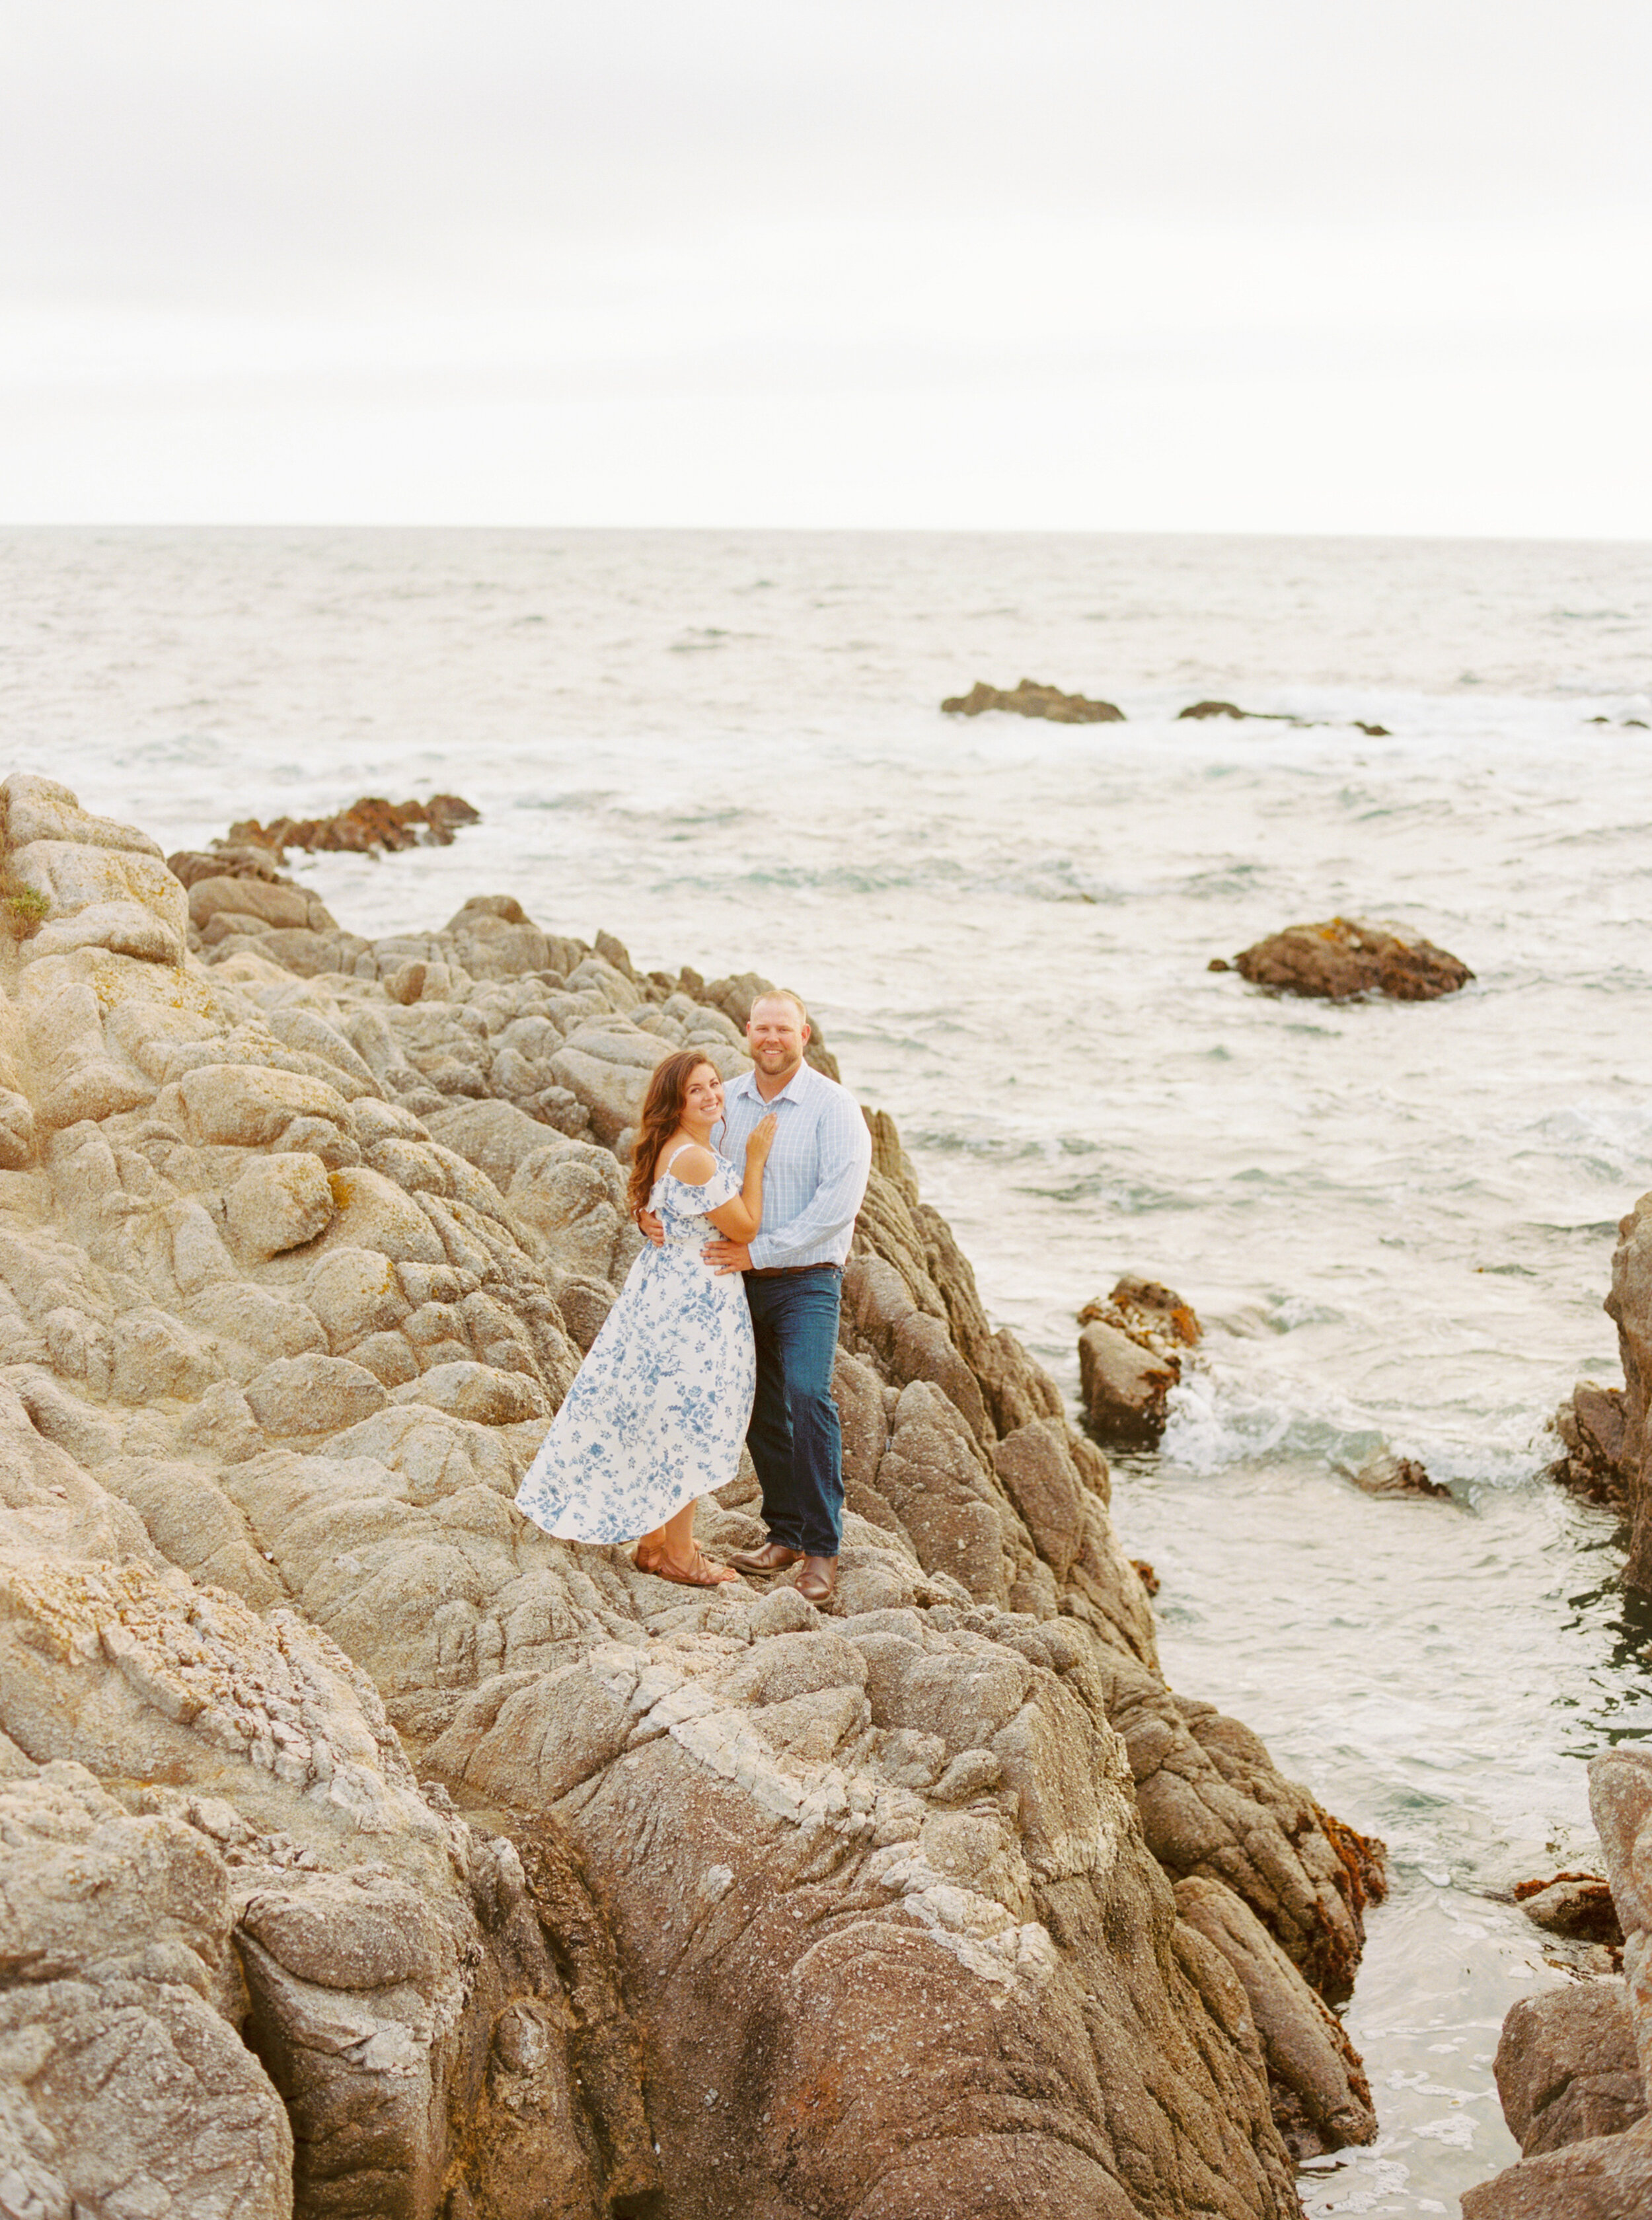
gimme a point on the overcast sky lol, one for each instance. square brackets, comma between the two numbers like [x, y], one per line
[1261, 265]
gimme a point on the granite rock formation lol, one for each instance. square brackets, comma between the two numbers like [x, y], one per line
[1567, 2067]
[1310, 2059]
[1573, 2066]
[1603, 1431]
[364, 1850]
[1629, 1307]
[1342, 957]
[1593, 1463]
[1030, 699]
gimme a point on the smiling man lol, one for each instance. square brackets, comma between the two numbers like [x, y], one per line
[816, 1179]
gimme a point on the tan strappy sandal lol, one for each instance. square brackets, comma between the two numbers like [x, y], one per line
[699, 1572]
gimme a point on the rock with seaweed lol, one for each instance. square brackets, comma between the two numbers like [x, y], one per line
[454, 1870]
[1131, 1346]
[1344, 957]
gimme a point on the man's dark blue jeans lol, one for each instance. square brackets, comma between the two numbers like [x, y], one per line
[795, 1436]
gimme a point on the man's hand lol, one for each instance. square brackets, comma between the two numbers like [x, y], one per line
[652, 1227]
[725, 1257]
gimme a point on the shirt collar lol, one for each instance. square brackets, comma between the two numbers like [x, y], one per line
[794, 1091]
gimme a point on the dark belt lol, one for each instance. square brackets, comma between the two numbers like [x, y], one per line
[789, 1272]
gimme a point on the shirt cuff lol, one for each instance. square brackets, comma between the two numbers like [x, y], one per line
[761, 1250]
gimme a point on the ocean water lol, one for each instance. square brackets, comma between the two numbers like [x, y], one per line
[1395, 1221]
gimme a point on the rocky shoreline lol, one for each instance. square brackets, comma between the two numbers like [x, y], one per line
[365, 1850]
[1575, 2064]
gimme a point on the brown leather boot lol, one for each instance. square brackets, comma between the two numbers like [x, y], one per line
[772, 1557]
[818, 1581]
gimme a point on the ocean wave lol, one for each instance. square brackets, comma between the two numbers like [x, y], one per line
[1230, 1410]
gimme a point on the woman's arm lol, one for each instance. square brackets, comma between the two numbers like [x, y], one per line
[738, 1220]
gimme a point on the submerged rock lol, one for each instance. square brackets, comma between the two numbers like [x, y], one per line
[1200, 710]
[749, 1899]
[1342, 958]
[1384, 1474]
[1030, 699]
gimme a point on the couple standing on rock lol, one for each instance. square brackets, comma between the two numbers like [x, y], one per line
[728, 1324]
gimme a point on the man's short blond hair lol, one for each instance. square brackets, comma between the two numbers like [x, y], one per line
[781, 995]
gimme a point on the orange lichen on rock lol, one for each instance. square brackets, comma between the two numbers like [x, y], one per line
[365, 828]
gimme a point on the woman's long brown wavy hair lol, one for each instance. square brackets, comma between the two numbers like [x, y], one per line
[662, 1113]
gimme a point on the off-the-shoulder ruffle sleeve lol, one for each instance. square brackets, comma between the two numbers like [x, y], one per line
[722, 1185]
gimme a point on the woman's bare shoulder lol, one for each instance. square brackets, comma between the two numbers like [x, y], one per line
[694, 1165]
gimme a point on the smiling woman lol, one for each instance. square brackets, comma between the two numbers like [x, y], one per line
[657, 1414]
[754, 265]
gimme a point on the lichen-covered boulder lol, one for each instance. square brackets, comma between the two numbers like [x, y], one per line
[1567, 2069]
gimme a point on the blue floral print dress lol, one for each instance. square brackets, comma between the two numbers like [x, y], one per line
[658, 1409]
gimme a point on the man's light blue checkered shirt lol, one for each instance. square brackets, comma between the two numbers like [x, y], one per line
[817, 1169]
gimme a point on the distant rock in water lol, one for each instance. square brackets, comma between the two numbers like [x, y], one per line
[1384, 1474]
[1030, 699]
[365, 828]
[1130, 1356]
[1198, 710]
[1343, 957]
